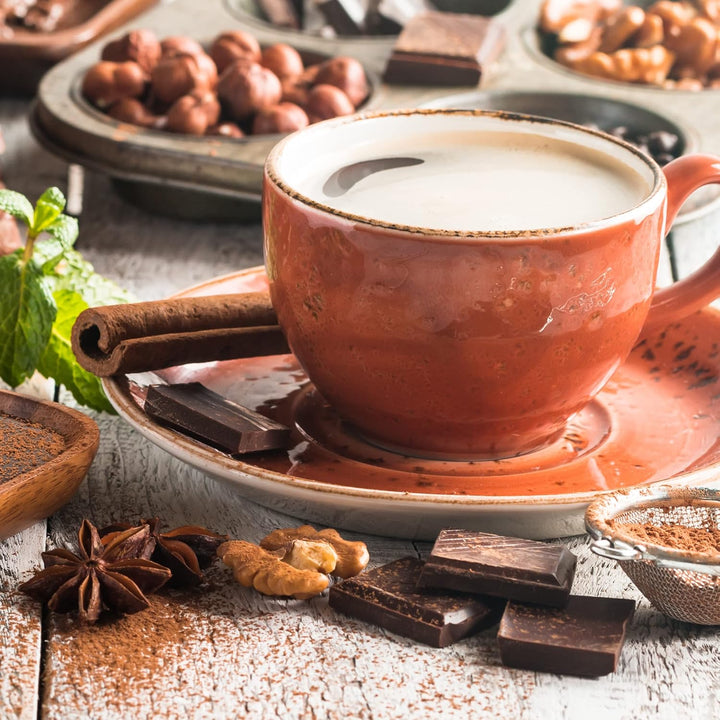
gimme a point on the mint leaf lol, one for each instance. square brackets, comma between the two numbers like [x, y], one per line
[27, 313]
[64, 229]
[77, 274]
[58, 360]
[48, 207]
[17, 205]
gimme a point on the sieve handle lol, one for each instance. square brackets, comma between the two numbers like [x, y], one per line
[615, 550]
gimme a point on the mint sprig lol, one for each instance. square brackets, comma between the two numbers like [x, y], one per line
[43, 288]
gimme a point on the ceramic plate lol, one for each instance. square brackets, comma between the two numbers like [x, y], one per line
[657, 420]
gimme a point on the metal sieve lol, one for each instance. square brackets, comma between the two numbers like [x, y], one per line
[683, 584]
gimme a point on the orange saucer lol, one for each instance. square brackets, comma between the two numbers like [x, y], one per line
[657, 420]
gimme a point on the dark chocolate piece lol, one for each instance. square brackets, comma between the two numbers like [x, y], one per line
[387, 596]
[438, 48]
[345, 17]
[203, 414]
[584, 639]
[283, 13]
[506, 567]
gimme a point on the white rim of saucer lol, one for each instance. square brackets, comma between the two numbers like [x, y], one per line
[601, 141]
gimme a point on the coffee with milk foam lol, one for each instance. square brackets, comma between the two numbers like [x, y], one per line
[479, 181]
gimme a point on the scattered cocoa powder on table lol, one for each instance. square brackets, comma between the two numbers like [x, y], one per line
[675, 536]
[25, 445]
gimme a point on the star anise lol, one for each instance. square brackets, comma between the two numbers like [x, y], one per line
[103, 575]
[185, 551]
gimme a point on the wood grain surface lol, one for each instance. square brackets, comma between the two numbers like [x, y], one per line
[229, 652]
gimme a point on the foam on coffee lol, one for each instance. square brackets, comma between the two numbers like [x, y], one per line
[475, 181]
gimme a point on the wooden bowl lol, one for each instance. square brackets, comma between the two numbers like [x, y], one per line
[37, 493]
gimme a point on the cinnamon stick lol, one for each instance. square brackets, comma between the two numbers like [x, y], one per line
[144, 336]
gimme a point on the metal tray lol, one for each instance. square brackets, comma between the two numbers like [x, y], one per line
[221, 177]
[31, 54]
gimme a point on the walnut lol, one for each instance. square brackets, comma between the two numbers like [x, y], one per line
[572, 53]
[230, 46]
[317, 555]
[645, 65]
[695, 46]
[194, 113]
[650, 33]
[556, 14]
[140, 46]
[107, 82]
[285, 117]
[576, 31]
[621, 27]
[181, 74]
[263, 570]
[347, 74]
[673, 15]
[247, 88]
[283, 60]
[353, 557]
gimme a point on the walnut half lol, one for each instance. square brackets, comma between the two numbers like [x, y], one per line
[265, 571]
[352, 556]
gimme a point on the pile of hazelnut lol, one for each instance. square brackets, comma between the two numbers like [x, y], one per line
[236, 88]
[670, 43]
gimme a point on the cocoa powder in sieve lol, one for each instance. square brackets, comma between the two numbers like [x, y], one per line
[25, 445]
[674, 536]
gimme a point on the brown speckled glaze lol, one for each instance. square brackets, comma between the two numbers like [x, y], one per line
[468, 347]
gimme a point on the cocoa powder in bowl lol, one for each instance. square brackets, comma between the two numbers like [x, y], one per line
[25, 445]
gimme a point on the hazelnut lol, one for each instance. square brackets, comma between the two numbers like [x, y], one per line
[180, 45]
[309, 74]
[283, 60]
[347, 74]
[226, 129]
[327, 101]
[284, 117]
[230, 46]
[182, 74]
[194, 114]
[294, 91]
[130, 110]
[141, 46]
[106, 82]
[246, 88]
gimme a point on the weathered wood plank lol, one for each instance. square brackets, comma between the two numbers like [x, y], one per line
[20, 625]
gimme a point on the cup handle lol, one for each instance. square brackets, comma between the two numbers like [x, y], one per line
[684, 175]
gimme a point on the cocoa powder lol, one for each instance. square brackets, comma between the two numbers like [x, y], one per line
[25, 445]
[674, 535]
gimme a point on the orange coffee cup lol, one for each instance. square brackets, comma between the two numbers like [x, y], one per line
[476, 333]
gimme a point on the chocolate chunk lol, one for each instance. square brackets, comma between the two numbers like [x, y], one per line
[585, 638]
[201, 413]
[438, 48]
[506, 567]
[345, 17]
[387, 596]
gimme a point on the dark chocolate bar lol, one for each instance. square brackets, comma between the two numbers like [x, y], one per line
[506, 567]
[387, 596]
[438, 48]
[585, 638]
[283, 13]
[201, 413]
[345, 17]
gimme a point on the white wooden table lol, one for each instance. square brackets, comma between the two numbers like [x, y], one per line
[236, 653]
